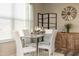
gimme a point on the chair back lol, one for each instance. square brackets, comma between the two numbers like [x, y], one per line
[27, 34]
[48, 33]
[52, 41]
[19, 49]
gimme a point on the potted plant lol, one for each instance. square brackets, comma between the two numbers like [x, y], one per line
[68, 27]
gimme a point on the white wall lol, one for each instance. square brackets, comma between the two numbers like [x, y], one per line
[57, 8]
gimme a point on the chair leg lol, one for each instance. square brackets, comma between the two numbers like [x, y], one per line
[32, 53]
[38, 51]
[49, 52]
[53, 54]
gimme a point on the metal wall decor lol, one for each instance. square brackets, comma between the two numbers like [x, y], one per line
[69, 13]
[47, 20]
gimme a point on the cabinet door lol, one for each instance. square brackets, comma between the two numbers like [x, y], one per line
[76, 42]
[70, 41]
[61, 41]
[58, 41]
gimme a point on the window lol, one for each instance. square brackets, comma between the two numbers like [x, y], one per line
[19, 16]
[5, 29]
[13, 17]
[5, 21]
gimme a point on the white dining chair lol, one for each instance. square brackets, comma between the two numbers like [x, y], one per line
[27, 33]
[49, 44]
[20, 51]
[46, 39]
[28, 40]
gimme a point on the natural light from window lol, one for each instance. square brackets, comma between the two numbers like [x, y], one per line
[13, 16]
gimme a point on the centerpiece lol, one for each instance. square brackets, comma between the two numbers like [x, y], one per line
[68, 27]
[39, 30]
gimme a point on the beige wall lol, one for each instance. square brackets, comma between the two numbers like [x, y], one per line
[57, 8]
[37, 8]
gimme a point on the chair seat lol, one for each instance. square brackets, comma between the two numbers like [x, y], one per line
[43, 46]
[47, 43]
[32, 45]
[29, 49]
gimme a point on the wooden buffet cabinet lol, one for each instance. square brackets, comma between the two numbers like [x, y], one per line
[67, 42]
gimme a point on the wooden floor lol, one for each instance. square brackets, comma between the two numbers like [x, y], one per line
[45, 53]
[9, 49]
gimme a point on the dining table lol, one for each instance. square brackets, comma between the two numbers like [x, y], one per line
[35, 36]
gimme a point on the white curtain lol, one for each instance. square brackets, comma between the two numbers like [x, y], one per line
[5, 21]
[14, 16]
[23, 17]
[20, 16]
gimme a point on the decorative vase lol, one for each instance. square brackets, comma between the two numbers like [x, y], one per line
[68, 27]
[68, 30]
